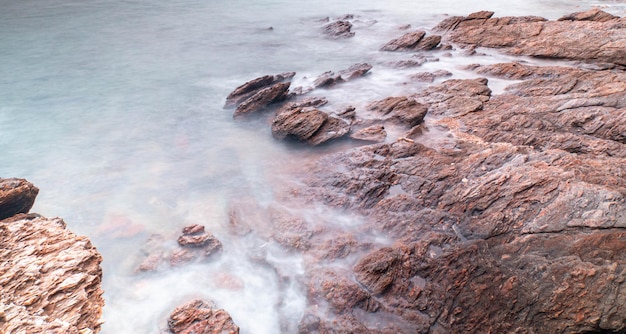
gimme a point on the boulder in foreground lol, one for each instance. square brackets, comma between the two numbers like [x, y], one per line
[200, 317]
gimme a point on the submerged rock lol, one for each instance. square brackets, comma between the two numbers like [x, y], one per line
[200, 317]
[339, 29]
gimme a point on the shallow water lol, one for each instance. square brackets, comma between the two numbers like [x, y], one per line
[114, 110]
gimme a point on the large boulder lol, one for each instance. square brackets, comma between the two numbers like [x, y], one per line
[16, 196]
[50, 278]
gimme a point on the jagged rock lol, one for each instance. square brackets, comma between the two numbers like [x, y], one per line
[455, 96]
[16, 196]
[597, 39]
[329, 78]
[375, 134]
[405, 110]
[593, 14]
[404, 42]
[298, 123]
[200, 317]
[339, 29]
[50, 278]
[262, 98]
[355, 71]
[252, 87]
[333, 128]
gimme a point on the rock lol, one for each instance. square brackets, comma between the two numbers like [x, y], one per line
[404, 42]
[195, 236]
[405, 110]
[339, 29]
[16, 196]
[50, 278]
[375, 134]
[597, 39]
[251, 87]
[333, 128]
[593, 14]
[262, 98]
[329, 78]
[430, 76]
[200, 317]
[428, 43]
[297, 123]
[355, 71]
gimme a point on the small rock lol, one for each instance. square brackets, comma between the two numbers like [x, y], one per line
[262, 99]
[298, 123]
[376, 134]
[404, 42]
[339, 29]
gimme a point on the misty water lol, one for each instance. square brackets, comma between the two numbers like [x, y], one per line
[114, 110]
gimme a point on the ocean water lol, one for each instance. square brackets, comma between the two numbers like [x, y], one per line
[114, 110]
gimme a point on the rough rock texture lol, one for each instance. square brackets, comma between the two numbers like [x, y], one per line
[252, 87]
[339, 29]
[374, 133]
[412, 41]
[497, 212]
[49, 278]
[200, 317]
[16, 196]
[329, 78]
[331, 129]
[592, 36]
[405, 110]
[262, 98]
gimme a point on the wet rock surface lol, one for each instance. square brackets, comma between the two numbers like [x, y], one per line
[201, 317]
[512, 223]
[50, 278]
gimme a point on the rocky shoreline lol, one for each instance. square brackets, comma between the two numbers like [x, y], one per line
[512, 222]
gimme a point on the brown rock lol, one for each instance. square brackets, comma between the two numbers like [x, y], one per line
[593, 14]
[355, 71]
[251, 87]
[193, 229]
[200, 317]
[16, 196]
[339, 29]
[50, 278]
[262, 99]
[404, 42]
[428, 43]
[333, 128]
[405, 110]
[598, 36]
[375, 134]
[297, 123]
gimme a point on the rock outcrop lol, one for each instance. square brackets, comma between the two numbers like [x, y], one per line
[50, 278]
[593, 36]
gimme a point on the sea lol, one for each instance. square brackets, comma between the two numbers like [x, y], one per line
[114, 109]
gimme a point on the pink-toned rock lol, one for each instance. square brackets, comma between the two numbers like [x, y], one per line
[200, 317]
[50, 278]
[405, 110]
[597, 38]
[297, 123]
[404, 42]
[374, 134]
[263, 98]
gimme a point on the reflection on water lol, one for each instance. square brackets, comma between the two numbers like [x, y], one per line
[113, 109]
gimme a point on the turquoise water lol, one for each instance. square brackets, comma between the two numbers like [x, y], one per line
[114, 110]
